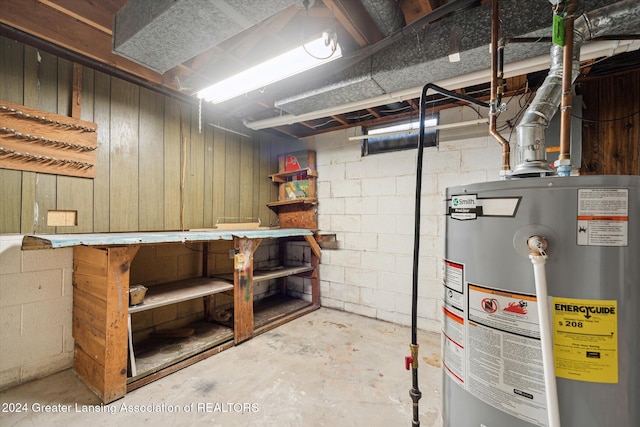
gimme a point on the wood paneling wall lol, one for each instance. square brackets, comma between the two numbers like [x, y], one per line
[611, 126]
[149, 144]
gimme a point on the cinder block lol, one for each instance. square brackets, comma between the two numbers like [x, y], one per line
[331, 303]
[433, 204]
[189, 265]
[166, 314]
[429, 325]
[262, 253]
[332, 172]
[406, 185]
[385, 224]
[324, 222]
[30, 287]
[9, 378]
[350, 223]
[361, 205]
[347, 188]
[153, 270]
[10, 321]
[361, 241]
[474, 137]
[394, 317]
[43, 367]
[395, 282]
[360, 277]
[141, 321]
[381, 300]
[484, 159]
[49, 259]
[396, 243]
[394, 205]
[345, 152]
[332, 273]
[379, 187]
[360, 309]
[323, 189]
[67, 282]
[331, 206]
[187, 308]
[345, 293]
[427, 307]
[441, 162]
[36, 343]
[403, 302]
[431, 245]
[377, 261]
[10, 253]
[398, 163]
[346, 258]
[453, 179]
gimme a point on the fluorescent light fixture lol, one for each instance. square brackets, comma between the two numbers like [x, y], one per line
[591, 50]
[403, 128]
[302, 58]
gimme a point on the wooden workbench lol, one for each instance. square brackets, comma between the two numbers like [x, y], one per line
[103, 352]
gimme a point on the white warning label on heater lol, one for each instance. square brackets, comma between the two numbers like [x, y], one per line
[603, 217]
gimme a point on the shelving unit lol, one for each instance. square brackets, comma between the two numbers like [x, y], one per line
[299, 210]
[102, 318]
[173, 293]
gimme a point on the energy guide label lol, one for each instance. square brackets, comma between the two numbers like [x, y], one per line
[585, 339]
[603, 217]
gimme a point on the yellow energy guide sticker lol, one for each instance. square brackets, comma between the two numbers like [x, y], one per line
[585, 339]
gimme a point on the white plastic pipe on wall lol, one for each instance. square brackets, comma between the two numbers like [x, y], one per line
[546, 339]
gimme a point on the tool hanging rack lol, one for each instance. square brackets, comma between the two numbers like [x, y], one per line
[37, 141]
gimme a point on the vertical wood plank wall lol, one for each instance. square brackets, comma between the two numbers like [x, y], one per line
[143, 139]
[611, 129]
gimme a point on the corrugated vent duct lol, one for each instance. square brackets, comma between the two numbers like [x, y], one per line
[161, 34]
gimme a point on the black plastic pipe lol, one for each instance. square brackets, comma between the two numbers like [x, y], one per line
[415, 390]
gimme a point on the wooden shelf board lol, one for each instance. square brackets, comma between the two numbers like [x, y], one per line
[275, 307]
[282, 176]
[262, 275]
[301, 200]
[181, 290]
[156, 354]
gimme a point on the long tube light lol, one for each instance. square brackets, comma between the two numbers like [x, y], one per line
[590, 50]
[410, 131]
[295, 61]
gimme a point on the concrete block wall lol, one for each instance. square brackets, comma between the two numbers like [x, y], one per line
[35, 311]
[369, 203]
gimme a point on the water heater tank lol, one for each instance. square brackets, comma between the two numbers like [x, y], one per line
[491, 350]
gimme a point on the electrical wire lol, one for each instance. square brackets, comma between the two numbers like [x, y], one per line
[607, 120]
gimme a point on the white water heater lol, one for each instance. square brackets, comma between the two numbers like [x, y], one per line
[491, 349]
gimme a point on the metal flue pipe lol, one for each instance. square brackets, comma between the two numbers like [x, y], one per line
[619, 18]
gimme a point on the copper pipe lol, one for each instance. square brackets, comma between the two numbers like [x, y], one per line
[567, 80]
[494, 89]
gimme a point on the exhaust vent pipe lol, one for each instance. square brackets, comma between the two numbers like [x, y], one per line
[619, 18]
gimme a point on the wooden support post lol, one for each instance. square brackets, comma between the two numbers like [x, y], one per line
[315, 274]
[243, 288]
[100, 318]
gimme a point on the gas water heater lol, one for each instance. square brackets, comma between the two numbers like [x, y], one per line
[492, 355]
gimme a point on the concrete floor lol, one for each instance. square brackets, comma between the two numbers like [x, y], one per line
[327, 368]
